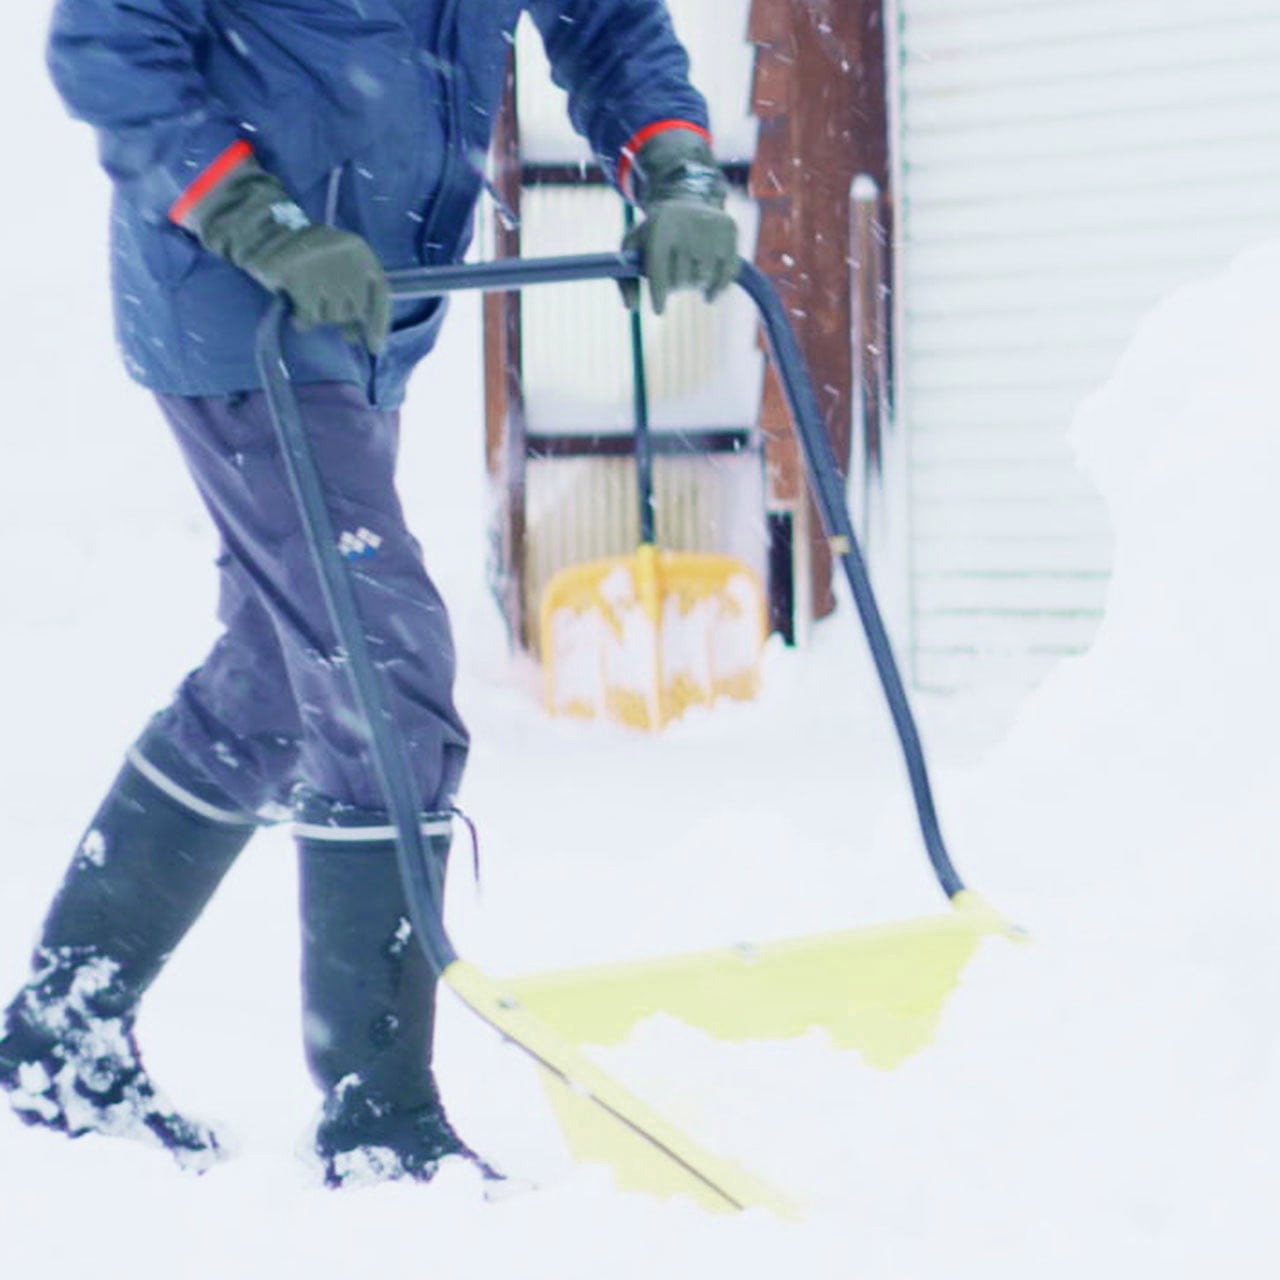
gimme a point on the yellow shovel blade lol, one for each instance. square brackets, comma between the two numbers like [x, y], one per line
[605, 1123]
[878, 990]
[642, 638]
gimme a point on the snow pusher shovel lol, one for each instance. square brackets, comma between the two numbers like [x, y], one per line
[544, 1017]
[642, 638]
[877, 990]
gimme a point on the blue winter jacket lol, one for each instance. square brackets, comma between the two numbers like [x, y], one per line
[376, 114]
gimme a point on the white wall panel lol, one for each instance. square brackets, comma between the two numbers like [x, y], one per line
[1063, 164]
[703, 363]
[721, 62]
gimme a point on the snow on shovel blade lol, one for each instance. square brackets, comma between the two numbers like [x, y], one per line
[607, 1124]
[639, 639]
[877, 990]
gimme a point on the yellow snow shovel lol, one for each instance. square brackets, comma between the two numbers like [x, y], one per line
[642, 638]
[879, 990]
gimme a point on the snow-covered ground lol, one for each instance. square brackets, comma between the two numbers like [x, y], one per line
[1104, 1102]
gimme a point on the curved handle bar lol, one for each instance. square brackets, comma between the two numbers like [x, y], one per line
[825, 482]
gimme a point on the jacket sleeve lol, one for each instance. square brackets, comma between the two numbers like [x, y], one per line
[128, 68]
[626, 73]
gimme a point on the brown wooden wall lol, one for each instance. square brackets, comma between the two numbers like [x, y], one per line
[821, 97]
[505, 427]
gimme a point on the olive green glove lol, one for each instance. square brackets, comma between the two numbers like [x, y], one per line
[329, 276]
[686, 241]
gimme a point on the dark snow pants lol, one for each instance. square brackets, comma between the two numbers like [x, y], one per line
[269, 713]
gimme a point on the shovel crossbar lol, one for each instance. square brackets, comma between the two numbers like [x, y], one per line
[710, 1177]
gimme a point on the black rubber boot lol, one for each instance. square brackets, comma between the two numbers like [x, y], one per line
[145, 869]
[369, 1007]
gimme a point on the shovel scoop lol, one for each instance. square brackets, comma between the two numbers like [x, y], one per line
[640, 639]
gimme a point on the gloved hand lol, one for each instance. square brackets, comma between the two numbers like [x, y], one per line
[329, 276]
[686, 241]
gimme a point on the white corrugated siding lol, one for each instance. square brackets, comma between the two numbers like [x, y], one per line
[721, 62]
[1063, 164]
[704, 368]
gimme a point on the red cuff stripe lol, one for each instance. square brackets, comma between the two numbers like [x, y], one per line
[626, 160]
[236, 154]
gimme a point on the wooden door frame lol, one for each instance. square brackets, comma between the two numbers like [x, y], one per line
[821, 94]
[821, 89]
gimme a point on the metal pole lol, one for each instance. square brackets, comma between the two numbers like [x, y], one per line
[640, 400]
[422, 886]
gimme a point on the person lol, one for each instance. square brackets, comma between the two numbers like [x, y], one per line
[303, 148]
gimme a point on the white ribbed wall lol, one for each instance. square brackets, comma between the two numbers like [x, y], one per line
[715, 34]
[704, 367]
[1063, 164]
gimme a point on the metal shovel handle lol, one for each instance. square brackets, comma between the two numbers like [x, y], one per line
[825, 481]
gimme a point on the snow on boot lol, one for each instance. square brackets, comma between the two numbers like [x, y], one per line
[152, 857]
[369, 1001]
[362, 1139]
[71, 1064]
